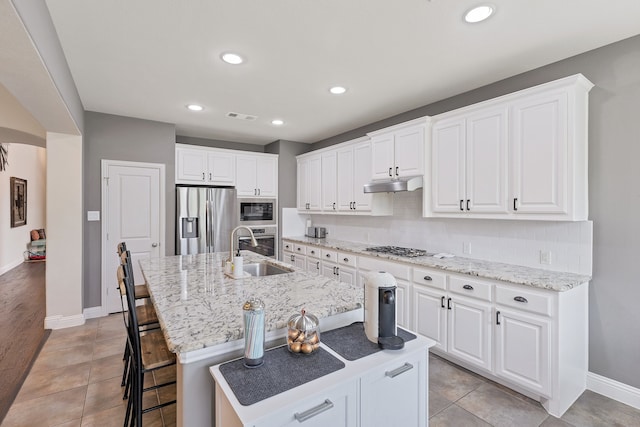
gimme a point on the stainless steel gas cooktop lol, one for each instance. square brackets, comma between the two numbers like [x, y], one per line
[398, 251]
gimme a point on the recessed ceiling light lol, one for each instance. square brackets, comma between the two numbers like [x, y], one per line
[338, 90]
[277, 122]
[479, 13]
[232, 58]
[195, 107]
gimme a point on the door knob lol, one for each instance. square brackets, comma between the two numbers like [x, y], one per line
[154, 245]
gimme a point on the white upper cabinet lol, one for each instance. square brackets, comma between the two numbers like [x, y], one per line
[399, 150]
[519, 156]
[309, 183]
[470, 163]
[205, 166]
[354, 171]
[329, 180]
[257, 175]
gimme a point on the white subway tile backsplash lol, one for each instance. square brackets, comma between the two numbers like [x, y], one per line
[510, 241]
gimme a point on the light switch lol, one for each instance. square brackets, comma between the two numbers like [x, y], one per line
[93, 215]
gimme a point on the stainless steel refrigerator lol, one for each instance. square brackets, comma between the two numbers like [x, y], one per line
[205, 217]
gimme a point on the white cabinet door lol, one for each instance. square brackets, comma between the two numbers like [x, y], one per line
[246, 167]
[394, 394]
[335, 407]
[522, 350]
[314, 182]
[309, 183]
[486, 162]
[191, 166]
[430, 315]
[300, 261]
[448, 166]
[347, 274]
[539, 154]
[345, 178]
[409, 151]
[469, 331]
[361, 176]
[382, 155]
[329, 270]
[313, 266]
[267, 176]
[328, 179]
[403, 292]
[221, 168]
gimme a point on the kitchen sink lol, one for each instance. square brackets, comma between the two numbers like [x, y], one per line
[265, 269]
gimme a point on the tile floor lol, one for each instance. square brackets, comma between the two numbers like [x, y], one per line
[75, 381]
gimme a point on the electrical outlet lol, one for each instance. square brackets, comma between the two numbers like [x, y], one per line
[466, 248]
[545, 257]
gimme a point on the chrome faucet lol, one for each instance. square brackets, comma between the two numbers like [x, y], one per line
[254, 242]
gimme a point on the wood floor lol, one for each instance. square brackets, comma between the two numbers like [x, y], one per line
[22, 333]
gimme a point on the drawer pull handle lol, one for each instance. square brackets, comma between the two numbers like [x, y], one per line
[428, 278]
[402, 369]
[468, 287]
[520, 299]
[316, 410]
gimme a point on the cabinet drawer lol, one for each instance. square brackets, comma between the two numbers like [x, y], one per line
[430, 278]
[300, 249]
[524, 299]
[397, 270]
[313, 252]
[287, 246]
[329, 255]
[347, 259]
[471, 288]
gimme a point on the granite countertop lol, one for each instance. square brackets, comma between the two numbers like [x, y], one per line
[198, 306]
[535, 277]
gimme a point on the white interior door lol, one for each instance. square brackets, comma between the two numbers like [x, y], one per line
[133, 209]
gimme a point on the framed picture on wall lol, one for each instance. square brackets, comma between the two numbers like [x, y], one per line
[18, 202]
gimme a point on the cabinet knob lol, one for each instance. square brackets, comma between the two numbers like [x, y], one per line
[298, 249]
[428, 278]
[346, 259]
[328, 255]
[468, 287]
[520, 299]
[313, 252]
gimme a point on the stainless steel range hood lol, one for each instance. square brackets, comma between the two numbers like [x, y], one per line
[409, 183]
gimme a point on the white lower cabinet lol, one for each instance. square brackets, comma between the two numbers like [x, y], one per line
[391, 394]
[522, 350]
[387, 388]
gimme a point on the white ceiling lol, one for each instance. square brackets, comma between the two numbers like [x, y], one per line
[150, 58]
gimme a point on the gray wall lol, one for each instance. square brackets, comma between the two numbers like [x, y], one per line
[287, 169]
[216, 143]
[121, 138]
[614, 193]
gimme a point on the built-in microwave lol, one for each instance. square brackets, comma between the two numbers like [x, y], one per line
[257, 211]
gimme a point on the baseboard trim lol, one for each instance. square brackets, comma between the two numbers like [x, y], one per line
[61, 322]
[11, 266]
[614, 389]
[93, 312]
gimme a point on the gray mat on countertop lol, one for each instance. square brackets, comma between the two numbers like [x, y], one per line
[352, 343]
[281, 371]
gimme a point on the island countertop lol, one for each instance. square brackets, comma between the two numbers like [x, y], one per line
[199, 307]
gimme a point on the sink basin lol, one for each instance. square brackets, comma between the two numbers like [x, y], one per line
[264, 269]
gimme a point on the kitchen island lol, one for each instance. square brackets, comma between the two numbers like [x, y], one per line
[200, 313]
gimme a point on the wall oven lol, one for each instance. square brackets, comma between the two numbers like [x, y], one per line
[257, 212]
[267, 238]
